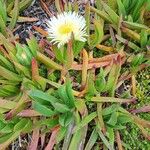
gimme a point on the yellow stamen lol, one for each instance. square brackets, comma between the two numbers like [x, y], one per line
[65, 29]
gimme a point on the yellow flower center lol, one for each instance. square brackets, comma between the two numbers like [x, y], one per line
[65, 29]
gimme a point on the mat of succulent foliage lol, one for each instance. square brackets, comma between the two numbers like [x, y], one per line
[74, 87]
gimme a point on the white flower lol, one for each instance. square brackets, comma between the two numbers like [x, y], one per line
[61, 28]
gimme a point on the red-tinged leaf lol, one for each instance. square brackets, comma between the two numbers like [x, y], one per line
[142, 122]
[70, 55]
[52, 140]
[142, 109]
[90, 65]
[133, 84]
[27, 19]
[84, 68]
[45, 8]
[59, 5]
[35, 138]
[19, 107]
[41, 31]
[118, 140]
[28, 113]
[7, 44]
[42, 140]
[35, 74]
[107, 57]
[35, 71]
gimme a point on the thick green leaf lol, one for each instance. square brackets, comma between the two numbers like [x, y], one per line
[62, 108]
[96, 38]
[65, 119]
[123, 119]
[113, 119]
[134, 25]
[109, 110]
[5, 137]
[6, 63]
[20, 125]
[2, 26]
[110, 134]
[70, 94]
[77, 47]
[114, 17]
[85, 121]
[9, 75]
[100, 82]
[75, 141]
[45, 111]
[92, 140]
[41, 96]
[2, 124]
[3, 13]
[121, 8]
[129, 44]
[105, 141]
[33, 45]
[24, 4]
[28, 127]
[143, 38]
[58, 53]
[7, 129]
[15, 14]
[63, 94]
[49, 122]
[113, 77]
